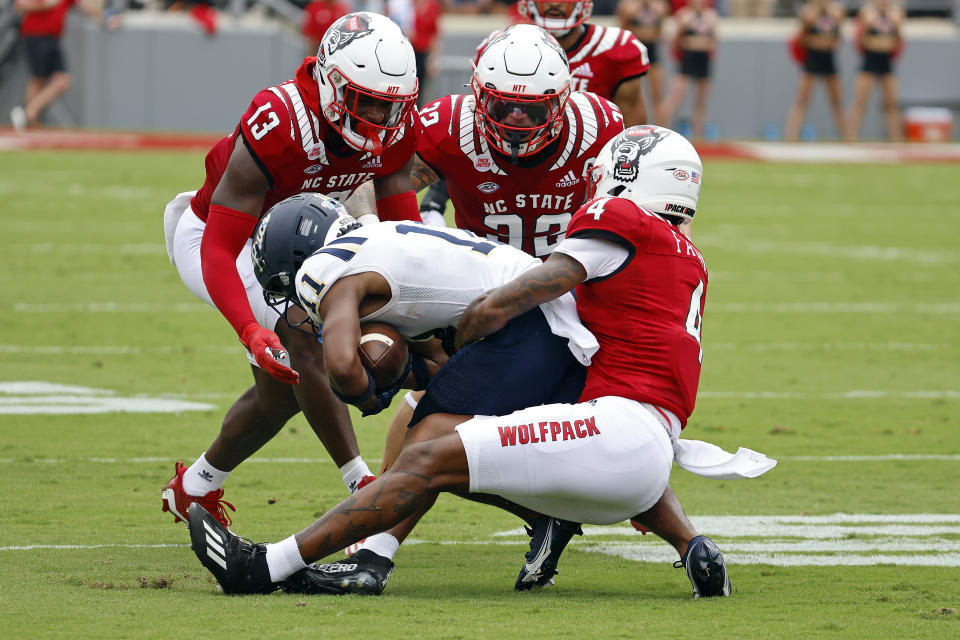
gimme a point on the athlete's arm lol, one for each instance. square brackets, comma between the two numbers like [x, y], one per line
[234, 209]
[629, 97]
[422, 175]
[339, 309]
[492, 310]
[363, 203]
[396, 197]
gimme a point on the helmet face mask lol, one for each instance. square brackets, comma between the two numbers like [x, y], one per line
[654, 167]
[558, 17]
[366, 75]
[289, 233]
[521, 84]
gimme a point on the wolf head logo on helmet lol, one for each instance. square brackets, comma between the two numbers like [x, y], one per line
[642, 164]
[344, 32]
[367, 80]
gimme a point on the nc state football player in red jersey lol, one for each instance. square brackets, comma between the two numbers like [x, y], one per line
[641, 287]
[514, 154]
[348, 117]
[607, 61]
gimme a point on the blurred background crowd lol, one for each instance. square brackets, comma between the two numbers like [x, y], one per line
[843, 79]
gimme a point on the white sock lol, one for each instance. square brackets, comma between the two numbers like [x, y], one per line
[382, 544]
[283, 559]
[202, 477]
[353, 473]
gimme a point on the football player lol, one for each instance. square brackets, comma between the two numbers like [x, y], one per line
[383, 273]
[600, 460]
[607, 61]
[348, 118]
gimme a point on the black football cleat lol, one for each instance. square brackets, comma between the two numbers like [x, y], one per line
[705, 568]
[548, 538]
[239, 565]
[364, 573]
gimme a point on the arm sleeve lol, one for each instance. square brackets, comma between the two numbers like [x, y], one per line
[599, 257]
[226, 232]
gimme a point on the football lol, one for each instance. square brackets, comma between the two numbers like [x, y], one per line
[383, 352]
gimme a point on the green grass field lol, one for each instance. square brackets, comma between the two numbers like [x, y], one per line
[830, 342]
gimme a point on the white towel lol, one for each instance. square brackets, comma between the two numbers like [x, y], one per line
[171, 217]
[710, 461]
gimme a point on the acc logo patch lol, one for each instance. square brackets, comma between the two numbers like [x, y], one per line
[483, 162]
[488, 187]
[680, 174]
[312, 169]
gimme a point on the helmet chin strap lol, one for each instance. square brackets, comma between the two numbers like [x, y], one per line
[516, 139]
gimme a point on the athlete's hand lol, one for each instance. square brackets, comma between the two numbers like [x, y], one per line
[266, 348]
[481, 318]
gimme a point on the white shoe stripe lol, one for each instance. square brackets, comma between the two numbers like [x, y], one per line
[534, 565]
[213, 544]
[212, 532]
[220, 561]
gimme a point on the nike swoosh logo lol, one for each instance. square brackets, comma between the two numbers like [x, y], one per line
[534, 565]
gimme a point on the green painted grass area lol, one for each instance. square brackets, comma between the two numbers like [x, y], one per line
[830, 330]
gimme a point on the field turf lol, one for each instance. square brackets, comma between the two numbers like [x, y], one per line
[830, 342]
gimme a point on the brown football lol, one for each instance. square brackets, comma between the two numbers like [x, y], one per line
[383, 352]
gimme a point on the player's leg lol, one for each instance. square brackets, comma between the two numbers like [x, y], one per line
[861, 94]
[57, 85]
[423, 470]
[798, 110]
[835, 94]
[399, 427]
[891, 110]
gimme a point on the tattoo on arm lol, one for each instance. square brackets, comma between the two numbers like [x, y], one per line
[422, 175]
[558, 275]
[363, 200]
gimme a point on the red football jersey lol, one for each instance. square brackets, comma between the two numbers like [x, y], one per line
[48, 22]
[605, 58]
[287, 138]
[600, 61]
[647, 315]
[528, 205]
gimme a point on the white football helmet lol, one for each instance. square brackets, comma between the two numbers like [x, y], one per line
[557, 17]
[365, 67]
[654, 167]
[521, 83]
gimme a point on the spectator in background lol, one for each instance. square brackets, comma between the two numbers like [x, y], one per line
[41, 29]
[819, 22]
[695, 41]
[879, 38]
[423, 37]
[644, 18]
[317, 18]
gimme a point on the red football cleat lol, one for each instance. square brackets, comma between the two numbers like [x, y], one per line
[177, 501]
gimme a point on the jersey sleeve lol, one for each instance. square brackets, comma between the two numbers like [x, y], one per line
[399, 153]
[616, 220]
[267, 130]
[630, 56]
[435, 123]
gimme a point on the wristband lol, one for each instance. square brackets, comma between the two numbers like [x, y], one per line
[355, 400]
[402, 206]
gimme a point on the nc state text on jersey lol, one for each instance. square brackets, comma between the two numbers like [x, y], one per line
[533, 200]
[336, 182]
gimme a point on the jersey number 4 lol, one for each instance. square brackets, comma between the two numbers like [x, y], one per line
[694, 319]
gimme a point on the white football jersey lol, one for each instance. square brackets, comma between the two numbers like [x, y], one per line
[434, 273]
